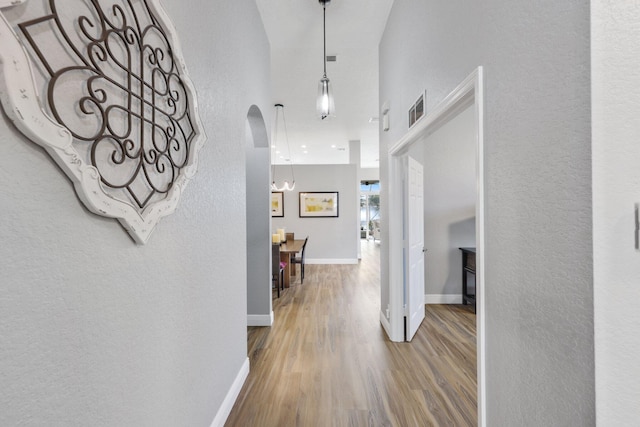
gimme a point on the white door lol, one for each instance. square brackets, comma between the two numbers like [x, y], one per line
[414, 294]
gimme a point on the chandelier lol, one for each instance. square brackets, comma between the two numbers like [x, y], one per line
[285, 186]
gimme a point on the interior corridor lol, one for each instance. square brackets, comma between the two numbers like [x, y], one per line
[326, 360]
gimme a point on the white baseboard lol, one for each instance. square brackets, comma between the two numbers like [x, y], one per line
[232, 395]
[331, 261]
[260, 319]
[385, 323]
[443, 299]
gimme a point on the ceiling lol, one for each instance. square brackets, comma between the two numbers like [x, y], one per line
[354, 29]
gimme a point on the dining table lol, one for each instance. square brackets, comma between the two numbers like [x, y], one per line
[288, 250]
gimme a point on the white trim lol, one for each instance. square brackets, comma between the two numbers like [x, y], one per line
[469, 92]
[260, 319]
[232, 395]
[480, 252]
[331, 261]
[443, 299]
[459, 99]
[385, 323]
[7, 3]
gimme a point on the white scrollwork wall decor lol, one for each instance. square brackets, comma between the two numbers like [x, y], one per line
[102, 86]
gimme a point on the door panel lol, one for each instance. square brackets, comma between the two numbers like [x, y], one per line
[415, 244]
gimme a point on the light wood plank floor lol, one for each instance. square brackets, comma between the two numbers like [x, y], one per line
[326, 360]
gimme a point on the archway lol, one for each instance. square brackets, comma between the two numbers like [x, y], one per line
[259, 309]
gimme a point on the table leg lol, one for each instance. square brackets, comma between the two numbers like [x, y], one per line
[286, 258]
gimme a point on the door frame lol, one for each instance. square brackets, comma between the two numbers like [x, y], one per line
[469, 92]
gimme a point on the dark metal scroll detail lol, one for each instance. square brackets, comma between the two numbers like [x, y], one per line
[115, 85]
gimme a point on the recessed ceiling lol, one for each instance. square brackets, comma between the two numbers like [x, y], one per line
[354, 29]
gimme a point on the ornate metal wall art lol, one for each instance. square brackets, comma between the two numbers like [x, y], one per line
[120, 115]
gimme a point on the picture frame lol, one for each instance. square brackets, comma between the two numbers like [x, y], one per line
[277, 204]
[316, 204]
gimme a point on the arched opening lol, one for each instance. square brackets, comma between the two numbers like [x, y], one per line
[259, 309]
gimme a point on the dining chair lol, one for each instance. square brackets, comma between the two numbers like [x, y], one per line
[289, 237]
[277, 268]
[300, 260]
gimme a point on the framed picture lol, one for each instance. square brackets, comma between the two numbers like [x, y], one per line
[277, 204]
[317, 204]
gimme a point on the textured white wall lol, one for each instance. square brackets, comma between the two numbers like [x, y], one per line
[369, 174]
[96, 330]
[427, 45]
[329, 238]
[539, 292]
[615, 51]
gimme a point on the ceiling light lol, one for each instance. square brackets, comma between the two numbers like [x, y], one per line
[325, 104]
[285, 186]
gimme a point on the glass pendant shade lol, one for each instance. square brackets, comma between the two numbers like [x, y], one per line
[325, 105]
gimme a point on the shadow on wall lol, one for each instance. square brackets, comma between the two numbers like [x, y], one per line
[461, 234]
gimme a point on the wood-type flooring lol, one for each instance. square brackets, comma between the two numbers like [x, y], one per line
[327, 361]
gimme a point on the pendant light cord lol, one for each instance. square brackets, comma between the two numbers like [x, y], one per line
[324, 34]
[275, 146]
[286, 137]
[273, 164]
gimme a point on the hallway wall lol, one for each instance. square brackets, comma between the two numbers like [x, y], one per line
[539, 275]
[98, 331]
[331, 240]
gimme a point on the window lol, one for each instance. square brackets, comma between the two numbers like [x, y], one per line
[369, 208]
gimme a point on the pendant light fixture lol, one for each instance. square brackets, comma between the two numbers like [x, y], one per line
[325, 105]
[286, 186]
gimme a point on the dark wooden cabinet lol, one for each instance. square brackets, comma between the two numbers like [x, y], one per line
[469, 282]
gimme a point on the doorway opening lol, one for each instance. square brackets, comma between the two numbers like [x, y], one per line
[468, 93]
[370, 210]
[258, 206]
